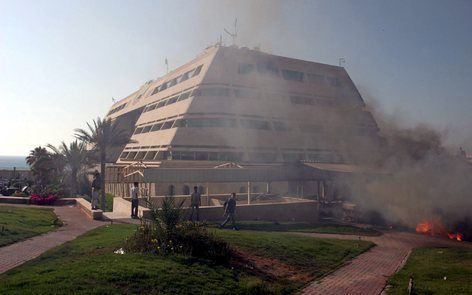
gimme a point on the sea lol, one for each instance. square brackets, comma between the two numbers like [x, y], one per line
[9, 162]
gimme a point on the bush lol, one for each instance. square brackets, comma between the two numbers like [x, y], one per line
[166, 233]
[58, 190]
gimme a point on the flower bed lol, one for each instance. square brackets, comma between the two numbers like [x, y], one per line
[42, 200]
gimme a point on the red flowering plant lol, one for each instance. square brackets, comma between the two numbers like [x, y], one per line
[37, 199]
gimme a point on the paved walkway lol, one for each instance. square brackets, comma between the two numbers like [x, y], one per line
[75, 224]
[368, 272]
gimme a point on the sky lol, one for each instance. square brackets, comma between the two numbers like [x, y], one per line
[62, 62]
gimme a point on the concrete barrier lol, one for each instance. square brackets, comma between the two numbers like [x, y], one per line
[122, 207]
[296, 210]
[86, 207]
[25, 200]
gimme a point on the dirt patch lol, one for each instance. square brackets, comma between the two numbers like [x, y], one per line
[270, 268]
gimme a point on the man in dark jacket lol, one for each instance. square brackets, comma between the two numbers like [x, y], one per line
[96, 187]
[230, 210]
[195, 202]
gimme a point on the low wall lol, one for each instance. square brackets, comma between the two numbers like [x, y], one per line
[123, 207]
[300, 210]
[86, 207]
[25, 200]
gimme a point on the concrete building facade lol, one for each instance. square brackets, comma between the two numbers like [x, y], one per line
[239, 108]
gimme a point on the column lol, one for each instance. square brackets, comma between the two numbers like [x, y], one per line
[248, 192]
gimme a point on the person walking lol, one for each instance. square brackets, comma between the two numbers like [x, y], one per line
[230, 210]
[195, 201]
[134, 200]
[96, 187]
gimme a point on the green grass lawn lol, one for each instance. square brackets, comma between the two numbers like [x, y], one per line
[88, 265]
[429, 267]
[313, 256]
[19, 223]
[324, 228]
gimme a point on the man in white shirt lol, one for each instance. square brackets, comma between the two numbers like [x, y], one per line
[134, 200]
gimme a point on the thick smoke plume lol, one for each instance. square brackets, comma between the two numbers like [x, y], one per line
[415, 178]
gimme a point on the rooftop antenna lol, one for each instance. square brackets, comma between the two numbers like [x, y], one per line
[235, 34]
[167, 66]
[342, 60]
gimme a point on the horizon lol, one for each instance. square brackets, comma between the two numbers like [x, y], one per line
[412, 64]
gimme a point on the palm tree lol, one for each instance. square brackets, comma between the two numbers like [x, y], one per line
[102, 135]
[76, 158]
[41, 165]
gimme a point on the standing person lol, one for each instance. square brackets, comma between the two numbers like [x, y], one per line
[96, 187]
[134, 200]
[230, 210]
[195, 201]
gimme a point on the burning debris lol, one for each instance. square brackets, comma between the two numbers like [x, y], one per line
[418, 178]
[437, 228]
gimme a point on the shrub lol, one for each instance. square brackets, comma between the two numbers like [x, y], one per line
[166, 233]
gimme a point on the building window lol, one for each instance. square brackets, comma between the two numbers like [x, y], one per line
[140, 155]
[268, 69]
[167, 125]
[183, 77]
[150, 155]
[156, 90]
[280, 126]
[245, 68]
[201, 156]
[246, 93]
[262, 157]
[255, 124]
[186, 190]
[209, 122]
[171, 190]
[215, 92]
[161, 104]
[172, 82]
[334, 81]
[156, 127]
[124, 155]
[138, 130]
[201, 189]
[187, 156]
[197, 71]
[184, 95]
[302, 100]
[146, 129]
[151, 107]
[293, 157]
[172, 100]
[292, 75]
[315, 78]
[131, 155]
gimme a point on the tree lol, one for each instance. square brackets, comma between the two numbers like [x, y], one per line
[102, 135]
[76, 158]
[41, 165]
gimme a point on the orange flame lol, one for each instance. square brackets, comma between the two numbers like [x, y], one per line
[436, 228]
[457, 237]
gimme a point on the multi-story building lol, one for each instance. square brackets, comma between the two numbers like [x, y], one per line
[242, 106]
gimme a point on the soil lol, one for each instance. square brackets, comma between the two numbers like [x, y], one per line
[270, 268]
